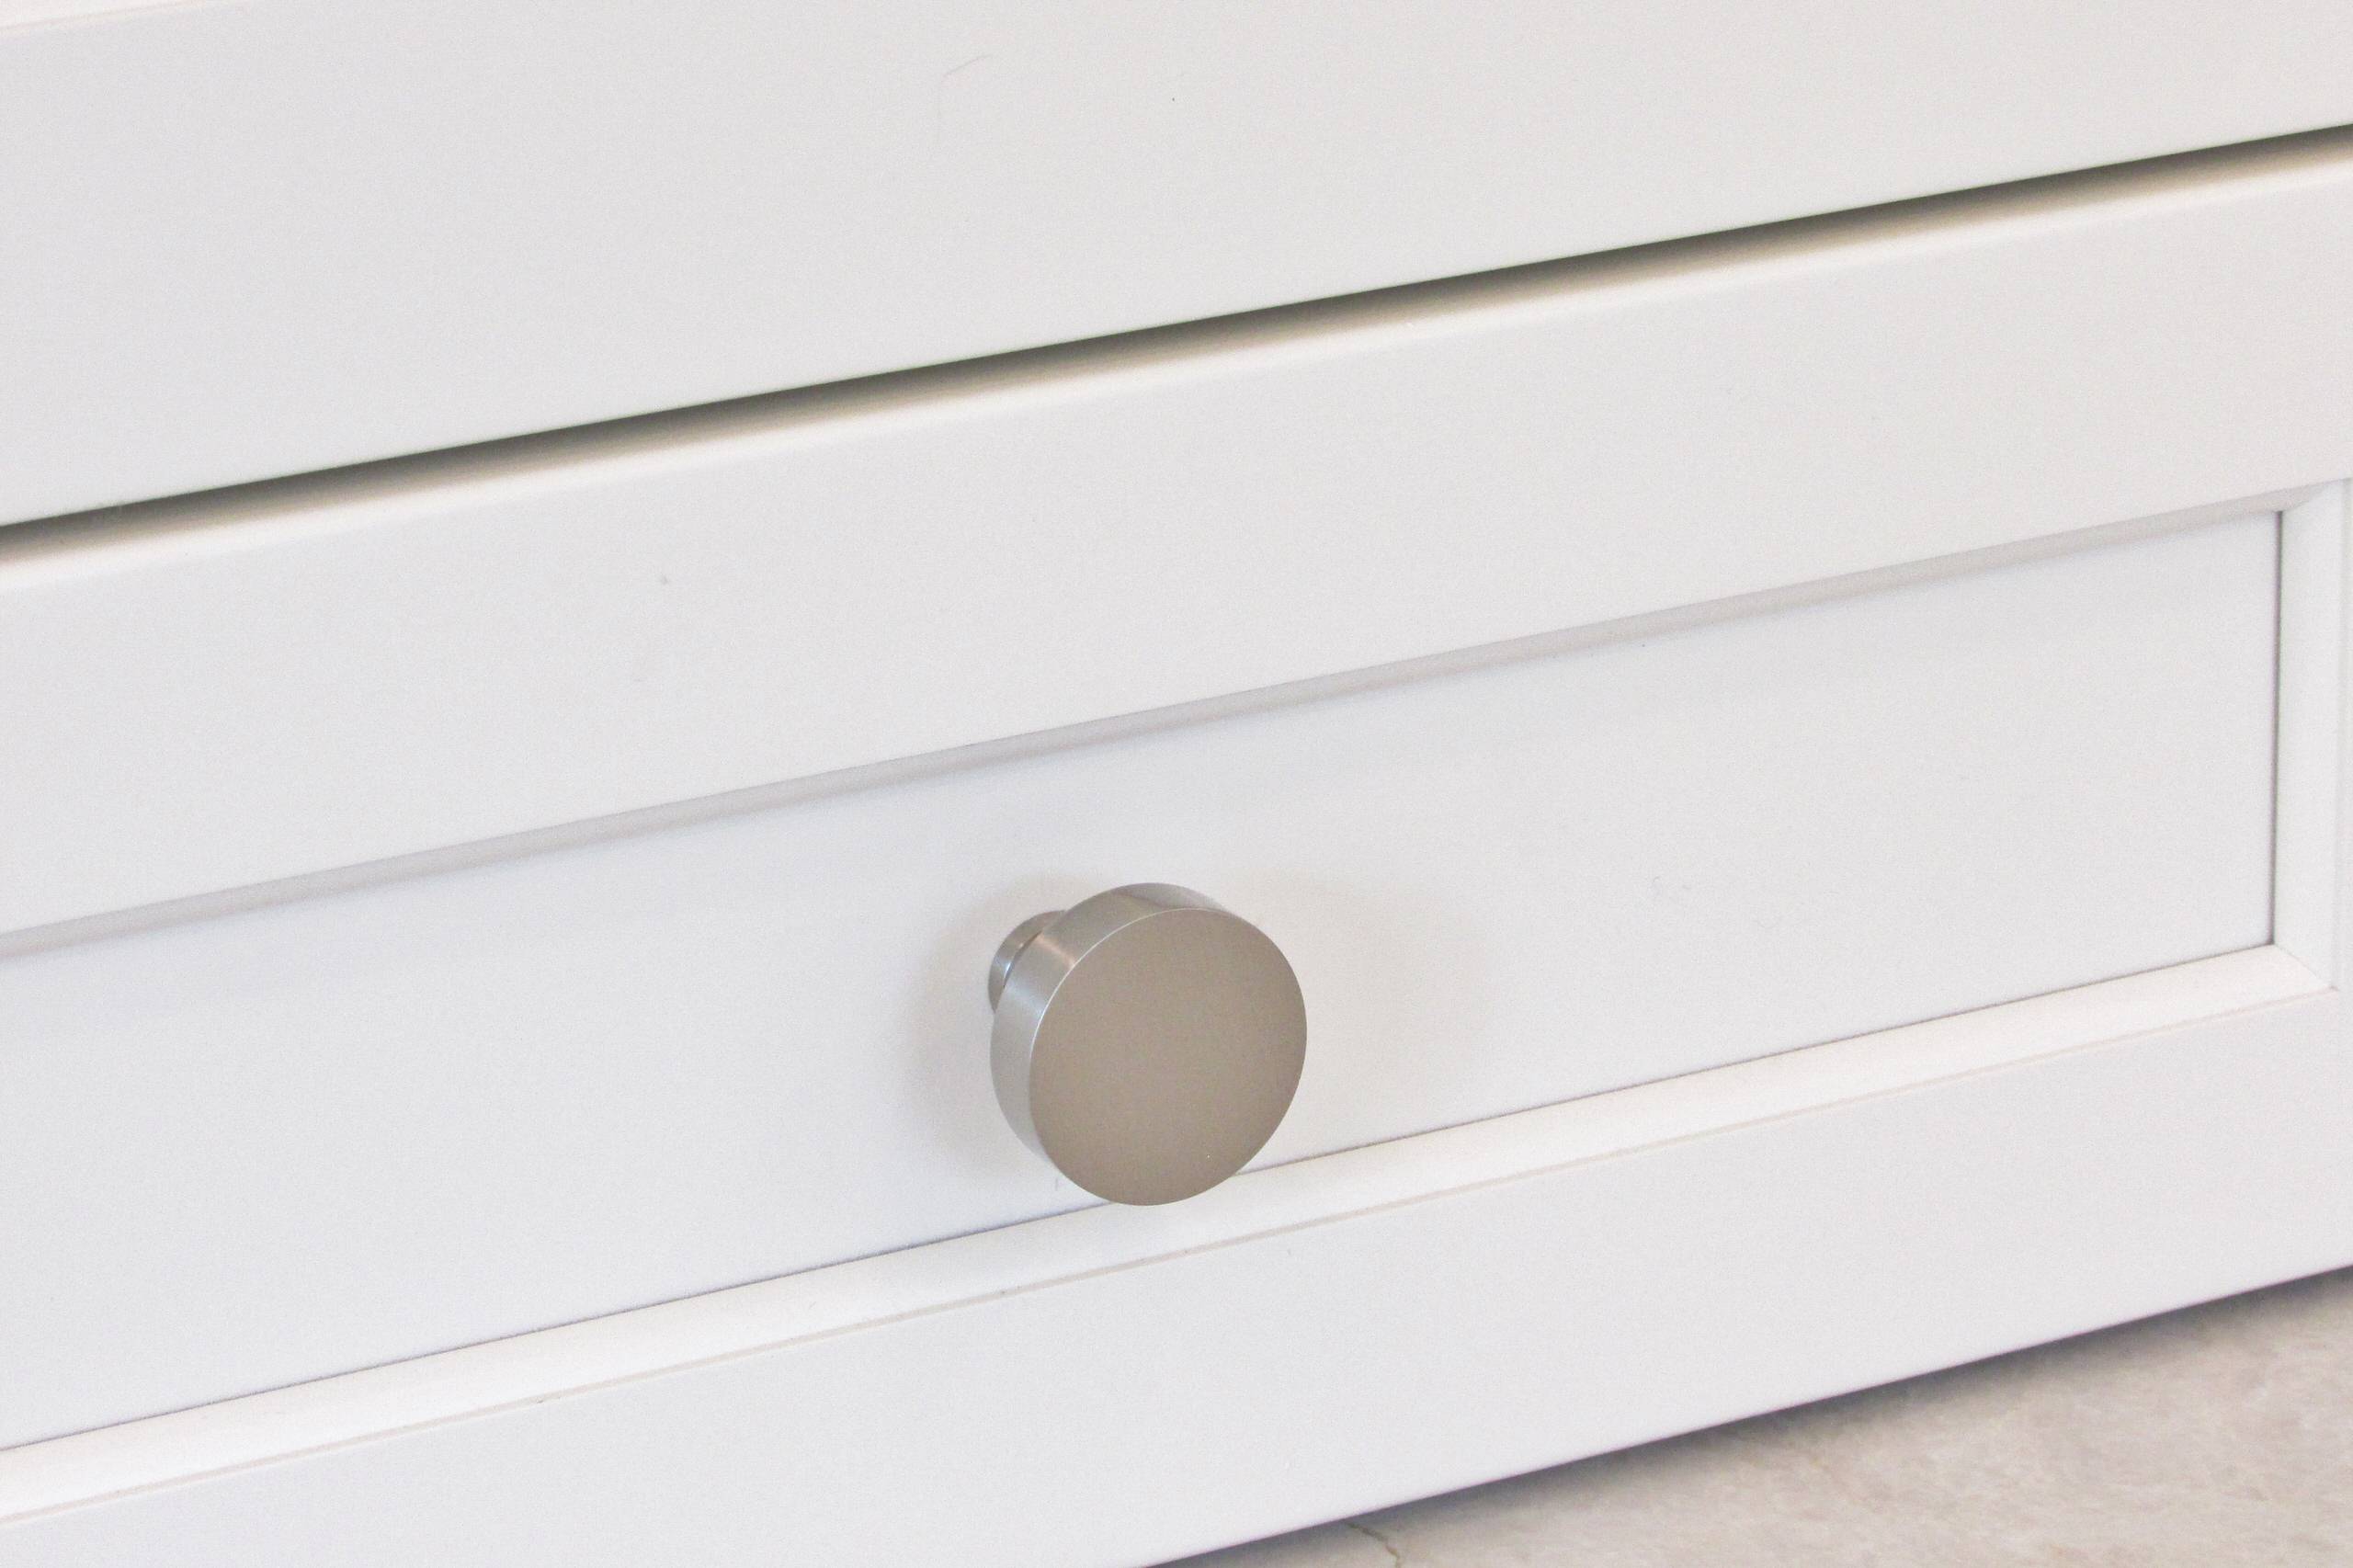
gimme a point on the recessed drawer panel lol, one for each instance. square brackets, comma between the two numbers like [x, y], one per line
[262, 1147]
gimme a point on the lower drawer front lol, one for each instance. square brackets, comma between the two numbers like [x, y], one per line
[268, 1146]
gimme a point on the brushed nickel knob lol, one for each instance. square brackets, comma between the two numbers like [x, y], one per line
[1147, 1042]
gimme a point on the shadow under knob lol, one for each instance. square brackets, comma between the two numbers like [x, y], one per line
[1147, 1042]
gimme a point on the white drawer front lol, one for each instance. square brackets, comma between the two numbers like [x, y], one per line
[260, 1148]
[254, 239]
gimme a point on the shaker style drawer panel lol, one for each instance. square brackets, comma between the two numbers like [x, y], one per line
[255, 239]
[270, 684]
[241, 1152]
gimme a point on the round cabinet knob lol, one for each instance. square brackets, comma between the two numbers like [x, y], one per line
[1147, 1042]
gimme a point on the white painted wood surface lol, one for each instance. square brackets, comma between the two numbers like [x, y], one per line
[1562, 1281]
[250, 239]
[242, 1151]
[447, 898]
[324, 676]
[775, 1314]
[1115, 1387]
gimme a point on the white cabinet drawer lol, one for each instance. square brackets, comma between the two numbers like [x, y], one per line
[244, 1151]
[1800, 776]
[256, 239]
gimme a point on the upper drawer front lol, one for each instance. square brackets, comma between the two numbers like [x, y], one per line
[206, 695]
[254, 239]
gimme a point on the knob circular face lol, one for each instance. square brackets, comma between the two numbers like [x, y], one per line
[1147, 1042]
